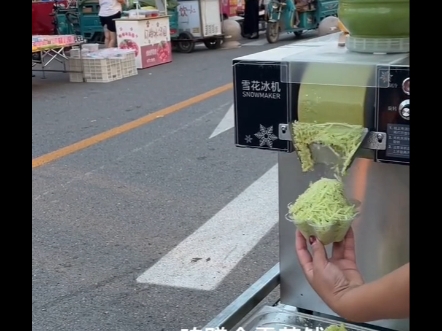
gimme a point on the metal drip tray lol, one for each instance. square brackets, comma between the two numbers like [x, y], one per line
[283, 317]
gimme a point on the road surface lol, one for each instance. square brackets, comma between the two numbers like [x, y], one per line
[156, 225]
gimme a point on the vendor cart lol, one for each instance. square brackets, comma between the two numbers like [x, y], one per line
[160, 5]
[149, 37]
[313, 81]
[198, 21]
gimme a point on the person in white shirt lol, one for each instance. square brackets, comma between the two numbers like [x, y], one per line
[109, 11]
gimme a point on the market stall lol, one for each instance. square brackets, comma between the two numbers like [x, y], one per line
[190, 22]
[147, 32]
[49, 49]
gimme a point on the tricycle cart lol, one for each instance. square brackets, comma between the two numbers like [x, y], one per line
[79, 18]
[319, 82]
[198, 21]
[173, 22]
[288, 16]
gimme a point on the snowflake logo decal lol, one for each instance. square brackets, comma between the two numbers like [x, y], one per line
[248, 139]
[386, 77]
[266, 136]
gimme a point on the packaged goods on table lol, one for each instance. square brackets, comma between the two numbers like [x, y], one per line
[41, 42]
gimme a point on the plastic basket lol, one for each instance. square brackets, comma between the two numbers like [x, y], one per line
[75, 65]
[102, 70]
[128, 65]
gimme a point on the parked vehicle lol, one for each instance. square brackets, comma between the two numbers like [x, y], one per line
[297, 17]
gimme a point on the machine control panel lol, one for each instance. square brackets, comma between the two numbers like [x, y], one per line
[404, 109]
[393, 113]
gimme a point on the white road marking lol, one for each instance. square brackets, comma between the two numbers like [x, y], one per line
[207, 256]
[226, 123]
[259, 42]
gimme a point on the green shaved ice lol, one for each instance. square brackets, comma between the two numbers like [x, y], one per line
[323, 211]
[343, 139]
[323, 202]
[336, 328]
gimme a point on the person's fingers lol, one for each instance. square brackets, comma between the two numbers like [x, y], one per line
[338, 250]
[349, 246]
[304, 256]
[320, 258]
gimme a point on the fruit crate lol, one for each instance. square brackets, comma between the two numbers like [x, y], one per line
[102, 70]
[95, 70]
[75, 65]
[128, 65]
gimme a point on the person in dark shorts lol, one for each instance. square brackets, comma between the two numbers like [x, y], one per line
[109, 11]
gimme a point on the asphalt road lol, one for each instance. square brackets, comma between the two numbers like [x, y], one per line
[104, 215]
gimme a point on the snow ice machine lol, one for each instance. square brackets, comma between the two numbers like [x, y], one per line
[317, 80]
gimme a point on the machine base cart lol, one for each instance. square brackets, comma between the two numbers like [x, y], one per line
[199, 21]
[318, 78]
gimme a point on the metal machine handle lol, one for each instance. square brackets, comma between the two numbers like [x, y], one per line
[247, 301]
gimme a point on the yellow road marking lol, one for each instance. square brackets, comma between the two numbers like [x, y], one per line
[88, 142]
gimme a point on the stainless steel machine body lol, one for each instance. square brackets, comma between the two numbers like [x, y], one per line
[268, 92]
[381, 232]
